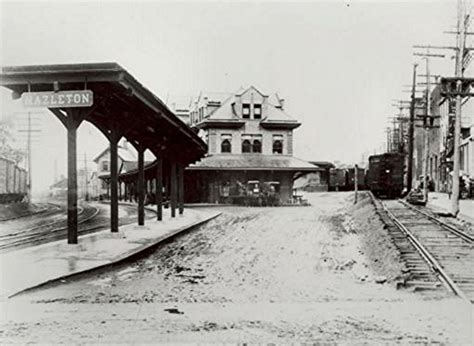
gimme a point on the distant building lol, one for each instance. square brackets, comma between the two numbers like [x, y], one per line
[250, 140]
[59, 188]
[127, 161]
[441, 143]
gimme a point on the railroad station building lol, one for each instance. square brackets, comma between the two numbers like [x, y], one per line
[250, 140]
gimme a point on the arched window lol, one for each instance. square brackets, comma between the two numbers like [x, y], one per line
[246, 146]
[226, 147]
[257, 146]
[277, 147]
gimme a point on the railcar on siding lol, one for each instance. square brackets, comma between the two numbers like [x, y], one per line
[13, 182]
[385, 175]
[338, 179]
[361, 173]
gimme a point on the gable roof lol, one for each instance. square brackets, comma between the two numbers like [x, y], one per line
[242, 91]
[61, 184]
[125, 154]
[275, 115]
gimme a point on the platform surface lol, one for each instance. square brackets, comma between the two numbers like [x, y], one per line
[33, 266]
[438, 201]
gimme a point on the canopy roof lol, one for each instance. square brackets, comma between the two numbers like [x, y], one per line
[120, 102]
[254, 162]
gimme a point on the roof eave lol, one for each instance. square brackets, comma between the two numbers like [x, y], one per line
[288, 169]
[280, 124]
[232, 124]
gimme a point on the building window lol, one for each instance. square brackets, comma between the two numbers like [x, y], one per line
[246, 146]
[226, 147]
[246, 110]
[278, 146]
[257, 146]
[105, 166]
[257, 111]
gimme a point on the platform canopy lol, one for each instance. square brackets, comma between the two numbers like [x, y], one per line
[253, 162]
[120, 103]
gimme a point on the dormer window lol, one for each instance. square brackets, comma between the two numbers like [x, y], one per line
[105, 166]
[277, 144]
[257, 111]
[278, 147]
[246, 110]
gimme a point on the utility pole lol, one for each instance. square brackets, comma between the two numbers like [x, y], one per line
[411, 132]
[29, 158]
[427, 119]
[86, 187]
[461, 38]
[426, 132]
[29, 130]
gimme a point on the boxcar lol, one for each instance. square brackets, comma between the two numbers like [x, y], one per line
[337, 179]
[385, 174]
[12, 181]
[360, 179]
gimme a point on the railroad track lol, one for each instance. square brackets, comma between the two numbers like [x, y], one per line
[432, 249]
[49, 231]
[48, 209]
[89, 222]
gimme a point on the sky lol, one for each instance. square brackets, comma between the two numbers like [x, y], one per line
[339, 65]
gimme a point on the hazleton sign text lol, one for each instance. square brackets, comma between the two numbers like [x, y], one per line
[60, 99]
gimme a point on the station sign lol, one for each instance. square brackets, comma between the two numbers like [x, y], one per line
[58, 99]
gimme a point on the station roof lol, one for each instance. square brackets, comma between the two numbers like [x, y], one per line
[227, 116]
[253, 162]
[120, 101]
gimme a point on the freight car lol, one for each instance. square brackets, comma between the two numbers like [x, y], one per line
[342, 179]
[385, 175]
[361, 173]
[337, 179]
[13, 181]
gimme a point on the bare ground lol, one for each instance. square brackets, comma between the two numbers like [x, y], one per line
[303, 274]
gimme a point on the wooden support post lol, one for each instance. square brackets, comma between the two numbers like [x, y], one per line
[141, 189]
[71, 121]
[174, 189]
[356, 168]
[71, 182]
[114, 138]
[181, 189]
[159, 189]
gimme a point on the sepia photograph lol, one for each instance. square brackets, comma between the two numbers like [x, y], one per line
[237, 172]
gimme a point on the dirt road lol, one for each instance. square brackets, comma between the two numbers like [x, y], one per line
[305, 274]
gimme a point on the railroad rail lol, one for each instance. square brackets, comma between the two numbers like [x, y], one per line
[449, 227]
[44, 232]
[48, 208]
[90, 220]
[448, 251]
